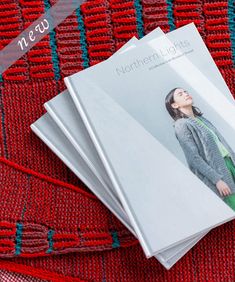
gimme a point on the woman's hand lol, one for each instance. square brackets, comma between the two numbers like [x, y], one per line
[223, 188]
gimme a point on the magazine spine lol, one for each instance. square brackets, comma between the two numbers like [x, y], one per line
[60, 155]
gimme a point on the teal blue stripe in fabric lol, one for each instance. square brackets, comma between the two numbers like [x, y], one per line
[50, 240]
[231, 24]
[83, 41]
[139, 18]
[116, 242]
[1, 78]
[54, 54]
[19, 231]
[170, 14]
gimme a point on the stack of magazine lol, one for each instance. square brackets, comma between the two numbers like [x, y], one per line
[138, 128]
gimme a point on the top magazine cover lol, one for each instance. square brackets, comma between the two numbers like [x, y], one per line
[138, 84]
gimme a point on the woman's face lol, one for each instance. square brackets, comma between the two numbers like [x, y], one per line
[181, 99]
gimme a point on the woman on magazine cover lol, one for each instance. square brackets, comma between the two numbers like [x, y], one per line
[207, 152]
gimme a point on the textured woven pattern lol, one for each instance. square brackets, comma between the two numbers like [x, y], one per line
[51, 227]
[8, 276]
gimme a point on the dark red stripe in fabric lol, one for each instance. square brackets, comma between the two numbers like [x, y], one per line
[155, 15]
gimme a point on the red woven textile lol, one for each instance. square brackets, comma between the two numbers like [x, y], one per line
[52, 228]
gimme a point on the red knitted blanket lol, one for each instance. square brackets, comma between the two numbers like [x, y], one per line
[51, 226]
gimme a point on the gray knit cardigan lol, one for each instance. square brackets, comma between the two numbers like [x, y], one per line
[202, 153]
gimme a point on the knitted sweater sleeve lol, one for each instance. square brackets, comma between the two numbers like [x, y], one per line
[189, 147]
